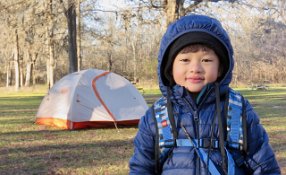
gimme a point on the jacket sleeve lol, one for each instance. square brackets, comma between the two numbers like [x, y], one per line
[260, 156]
[142, 161]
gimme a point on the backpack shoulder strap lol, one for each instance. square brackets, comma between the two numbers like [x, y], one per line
[165, 123]
[164, 139]
[166, 130]
[237, 130]
[236, 122]
[236, 135]
[156, 147]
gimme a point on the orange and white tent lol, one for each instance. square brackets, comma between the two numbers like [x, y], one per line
[91, 98]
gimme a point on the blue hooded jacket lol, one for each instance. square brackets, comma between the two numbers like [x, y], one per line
[198, 116]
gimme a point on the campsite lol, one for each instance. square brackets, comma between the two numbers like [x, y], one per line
[77, 76]
[27, 148]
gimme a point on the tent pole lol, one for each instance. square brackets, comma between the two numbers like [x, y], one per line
[115, 124]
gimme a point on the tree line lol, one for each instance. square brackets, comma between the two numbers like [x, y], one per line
[41, 41]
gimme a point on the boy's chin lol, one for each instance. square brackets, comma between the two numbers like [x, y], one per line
[194, 90]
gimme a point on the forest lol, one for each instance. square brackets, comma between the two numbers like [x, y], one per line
[43, 40]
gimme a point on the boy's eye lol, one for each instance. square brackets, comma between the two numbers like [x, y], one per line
[207, 60]
[184, 60]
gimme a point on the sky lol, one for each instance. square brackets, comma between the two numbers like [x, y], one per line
[112, 4]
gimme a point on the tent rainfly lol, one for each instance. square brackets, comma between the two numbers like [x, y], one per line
[91, 98]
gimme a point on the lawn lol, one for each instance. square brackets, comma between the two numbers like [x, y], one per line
[26, 148]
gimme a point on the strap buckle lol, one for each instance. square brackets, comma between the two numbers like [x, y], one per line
[206, 143]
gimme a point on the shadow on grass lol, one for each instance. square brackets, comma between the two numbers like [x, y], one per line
[19, 106]
[18, 113]
[25, 133]
[48, 158]
[19, 101]
[20, 121]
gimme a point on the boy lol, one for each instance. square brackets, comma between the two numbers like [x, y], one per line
[195, 69]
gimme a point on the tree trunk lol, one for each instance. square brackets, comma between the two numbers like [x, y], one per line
[16, 61]
[170, 10]
[79, 54]
[34, 58]
[174, 9]
[48, 71]
[8, 74]
[134, 62]
[71, 20]
[21, 72]
[29, 66]
[28, 74]
[51, 65]
[33, 74]
[110, 61]
[50, 34]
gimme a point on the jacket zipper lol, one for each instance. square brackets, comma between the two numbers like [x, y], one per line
[196, 119]
[195, 112]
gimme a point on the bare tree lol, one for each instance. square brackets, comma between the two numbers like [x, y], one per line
[13, 22]
[128, 42]
[16, 60]
[79, 52]
[174, 9]
[50, 64]
[70, 13]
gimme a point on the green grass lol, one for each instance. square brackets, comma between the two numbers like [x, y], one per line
[271, 107]
[26, 148]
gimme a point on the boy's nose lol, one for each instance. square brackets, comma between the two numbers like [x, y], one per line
[196, 67]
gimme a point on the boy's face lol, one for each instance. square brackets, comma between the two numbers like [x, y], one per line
[195, 66]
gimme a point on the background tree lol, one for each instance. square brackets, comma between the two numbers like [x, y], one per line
[125, 38]
[70, 13]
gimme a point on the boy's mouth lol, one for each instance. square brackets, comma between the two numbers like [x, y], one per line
[195, 79]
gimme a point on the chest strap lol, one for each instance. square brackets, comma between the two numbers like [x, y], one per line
[202, 143]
